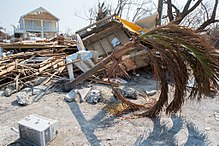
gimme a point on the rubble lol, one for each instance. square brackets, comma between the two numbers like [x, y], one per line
[83, 93]
[94, 96]
[24, 96]
[38, 89]
[9, 90]
[118, 80]
[71, 95]
[25, 66]
[104, 53]
[39, 80]
[33, 63]
[129, 92]
[216, 114]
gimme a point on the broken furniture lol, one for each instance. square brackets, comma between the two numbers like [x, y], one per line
[113, 56]
[82, 59]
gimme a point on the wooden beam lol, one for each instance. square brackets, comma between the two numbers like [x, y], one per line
[9, 69]
[115, 55]
[102, 47]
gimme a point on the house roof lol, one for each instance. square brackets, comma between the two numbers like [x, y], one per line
[148, 22]
[41, 14]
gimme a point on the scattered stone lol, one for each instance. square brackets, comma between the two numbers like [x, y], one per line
[94, 96]
[23, 97]
[128, 92]
[216, 114]
[137, 75]
[83, 93]
[38, 89]
[151, 92]
[10, 89]
[71, 95]
[207, 128]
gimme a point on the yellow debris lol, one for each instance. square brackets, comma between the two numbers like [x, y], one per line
[132, 26]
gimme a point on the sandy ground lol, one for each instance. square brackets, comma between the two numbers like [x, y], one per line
[82, 124]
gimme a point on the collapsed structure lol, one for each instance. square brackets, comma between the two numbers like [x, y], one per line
[112, 47]
[24, 58]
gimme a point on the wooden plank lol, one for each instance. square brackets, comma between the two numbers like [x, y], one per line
[9, 69]
[46, 61]
[103, 34]
[98, 48]
[103, 82]
[30, 46]
[16, 82]
[118, 37]
[116, 54]
[109, 42]
[7, 65]
[48, 79]
[103, 48]
[107, 45]
[122, 36]
[49, 65]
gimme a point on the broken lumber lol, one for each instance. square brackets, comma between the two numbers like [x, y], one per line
[115, 55]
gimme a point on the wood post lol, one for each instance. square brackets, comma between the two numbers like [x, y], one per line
[115, 55]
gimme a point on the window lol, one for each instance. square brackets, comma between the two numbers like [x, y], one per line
[115, 42]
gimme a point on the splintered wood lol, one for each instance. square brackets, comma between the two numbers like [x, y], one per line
[28, 61]
[22, 70]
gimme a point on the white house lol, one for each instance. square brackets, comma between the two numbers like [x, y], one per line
[40, 22]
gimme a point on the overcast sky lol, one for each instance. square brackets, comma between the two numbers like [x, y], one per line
[65, 10]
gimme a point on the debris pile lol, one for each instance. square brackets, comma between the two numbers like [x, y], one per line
[110, 51]
[32, 64]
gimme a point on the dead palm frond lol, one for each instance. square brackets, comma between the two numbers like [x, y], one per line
[174, 50]
[126, 103]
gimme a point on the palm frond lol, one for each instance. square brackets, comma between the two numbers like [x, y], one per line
[175, 49]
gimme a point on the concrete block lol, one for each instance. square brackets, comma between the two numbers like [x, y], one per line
[71, 95]
[83, 93]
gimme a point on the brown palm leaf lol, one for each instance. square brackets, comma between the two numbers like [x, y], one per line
[175, 50]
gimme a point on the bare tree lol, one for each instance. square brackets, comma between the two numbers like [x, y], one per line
[194, 13]
[177, 16]
[211, 19]
[102, 12]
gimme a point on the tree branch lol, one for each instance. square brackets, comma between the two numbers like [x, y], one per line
[211, 20]
[169, 10]
[176, 9]
[192, 8]
[205, 9]
[186, 6]
[186, 11]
